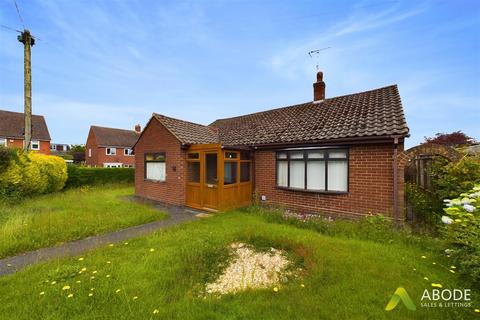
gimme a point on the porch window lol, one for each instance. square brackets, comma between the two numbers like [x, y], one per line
[313, 170]
[155, 168]
[244, 171]
[3, 142]
[193, 171]
[230, 172]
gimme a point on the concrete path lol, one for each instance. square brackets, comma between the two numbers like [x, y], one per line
[177, 215]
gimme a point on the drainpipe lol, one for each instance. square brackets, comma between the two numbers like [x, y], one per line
[395, 180]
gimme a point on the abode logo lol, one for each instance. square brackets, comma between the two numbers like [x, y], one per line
[432, 298]
[400, 295]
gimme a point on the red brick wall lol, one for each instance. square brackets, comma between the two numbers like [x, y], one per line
[99, 155]
[370, 185]
[156, 138]
[18, 143]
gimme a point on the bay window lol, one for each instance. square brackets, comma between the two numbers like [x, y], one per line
[313, 169]
[155, 168]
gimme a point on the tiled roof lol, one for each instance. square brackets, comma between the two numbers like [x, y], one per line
[188, 132]
[374, 113]
[377, 112]
[115, 137]
[12, 125]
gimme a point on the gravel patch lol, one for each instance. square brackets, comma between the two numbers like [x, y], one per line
[250, 269]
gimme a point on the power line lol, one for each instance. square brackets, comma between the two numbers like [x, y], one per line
[8, 28]
[19, 15]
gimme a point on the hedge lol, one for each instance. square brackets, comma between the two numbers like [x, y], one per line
[26, 174]
[80, 176]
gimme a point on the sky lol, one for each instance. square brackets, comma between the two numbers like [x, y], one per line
[115, 62]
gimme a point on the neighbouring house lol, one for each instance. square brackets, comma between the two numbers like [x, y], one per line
[333, 156]
[12, 132]
[59, 147]
[110, 147]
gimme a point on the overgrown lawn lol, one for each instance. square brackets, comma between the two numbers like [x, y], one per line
[70, 215]
[163, 276]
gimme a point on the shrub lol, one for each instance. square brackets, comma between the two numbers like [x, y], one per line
[31, 173]
[462, 231]
[451, 179]
[426, 205]
[81, 176]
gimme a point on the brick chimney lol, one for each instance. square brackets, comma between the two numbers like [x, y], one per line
[138, 128]
[319, 88]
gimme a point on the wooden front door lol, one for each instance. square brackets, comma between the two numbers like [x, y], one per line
[210, 183]
[202, 180]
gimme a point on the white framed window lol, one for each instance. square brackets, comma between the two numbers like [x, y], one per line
[89, 152]
[53, 147]
[128, 152]
[3, 142]
[35, 145]
[112, 165]
[313, 169]
[155, 167]
[111, 151]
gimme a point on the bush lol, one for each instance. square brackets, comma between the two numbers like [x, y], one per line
[81, 176]
[451, 179]
[26, 174]
[426, 205]
[462, 231]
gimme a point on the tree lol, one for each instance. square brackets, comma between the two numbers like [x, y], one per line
[454, 139]
[77, 148]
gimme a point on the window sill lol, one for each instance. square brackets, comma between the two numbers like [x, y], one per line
[313, 191]
[154, 181]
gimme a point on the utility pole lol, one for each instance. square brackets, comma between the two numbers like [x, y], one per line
[28, 41]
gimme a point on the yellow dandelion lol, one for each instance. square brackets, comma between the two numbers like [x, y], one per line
[93, 272]
[423, 257]
[92, 277]
[275, 289]
[109, 262]
[111, 245]
[80, 259]
[453, 267]
[452, 271]
[125, 243]
[91, 289]
[437, 285]
[54, 282]
[151, 250]
[70, 295]
[108, 276]
[118, 290]
[67, 287]
[42, 293]
[135, 298]
[83, 269]
[414, 269]
[425, 278]
[477, 310]
[78, 281]
[434, 263]
[90, 294]
[156, 311]
[302, 285]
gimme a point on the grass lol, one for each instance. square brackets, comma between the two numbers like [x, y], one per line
[167, 271]
[70, 215]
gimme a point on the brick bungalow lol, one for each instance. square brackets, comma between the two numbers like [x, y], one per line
[110, 147]
[12, 132]
[334, 156]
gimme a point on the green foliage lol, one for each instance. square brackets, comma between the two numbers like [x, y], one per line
[451, 179]
[425, 204]
[77, 148]
[28, 174]
[81, 176]
[462, 232]
[74, 214]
